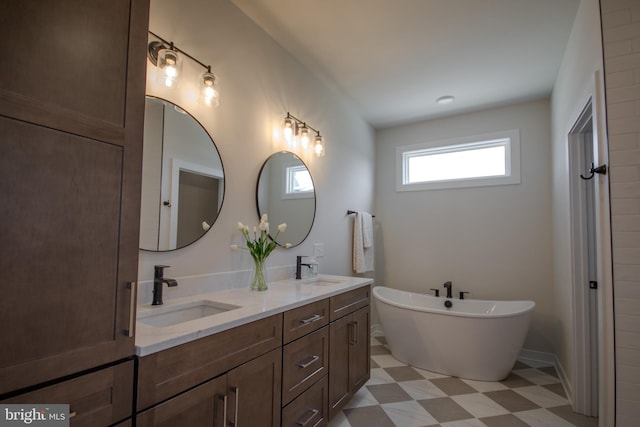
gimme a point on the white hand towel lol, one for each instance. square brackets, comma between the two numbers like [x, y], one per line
[367, 230]
[362, 256]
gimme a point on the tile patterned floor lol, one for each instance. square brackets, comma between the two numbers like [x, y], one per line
[398, 395]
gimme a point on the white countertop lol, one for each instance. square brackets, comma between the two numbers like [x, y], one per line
[281, 296]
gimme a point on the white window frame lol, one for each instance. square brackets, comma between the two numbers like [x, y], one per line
[509, 138]
[287, 193]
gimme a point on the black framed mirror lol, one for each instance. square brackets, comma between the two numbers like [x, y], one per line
[182, 178]
[286, 192]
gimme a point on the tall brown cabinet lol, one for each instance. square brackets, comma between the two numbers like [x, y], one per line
[72, 89]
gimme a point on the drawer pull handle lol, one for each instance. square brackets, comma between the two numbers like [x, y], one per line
[132, 308]
[311, 319]
[236, 391]
[314, 412]
[224, 409]
[353, 333]
[356, 330]
[309, 362]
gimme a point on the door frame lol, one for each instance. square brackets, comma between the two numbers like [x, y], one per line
[594, 97]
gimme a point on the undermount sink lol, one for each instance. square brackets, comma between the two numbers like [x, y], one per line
[321, 281]
[163, 316]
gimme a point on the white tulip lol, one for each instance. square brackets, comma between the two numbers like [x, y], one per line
[282, 227]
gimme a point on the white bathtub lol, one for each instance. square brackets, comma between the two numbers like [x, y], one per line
[474, 339]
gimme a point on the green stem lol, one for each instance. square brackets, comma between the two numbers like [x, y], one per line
[259, 280]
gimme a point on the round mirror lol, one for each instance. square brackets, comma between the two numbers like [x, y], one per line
[182, 178]
[286, 193]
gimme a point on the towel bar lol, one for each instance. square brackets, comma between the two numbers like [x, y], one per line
[350, 212]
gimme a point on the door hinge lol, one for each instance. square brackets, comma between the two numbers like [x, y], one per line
[593, 284]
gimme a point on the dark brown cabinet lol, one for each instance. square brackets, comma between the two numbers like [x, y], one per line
[349, 344]
[202, 406]
[244, 395]
[234, 375]
[326, 357]
[99, 398]
[71, 120]
[254, 392]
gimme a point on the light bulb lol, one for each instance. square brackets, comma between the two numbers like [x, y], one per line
[304, 136]
[287, 128]
[319, 146]
[169, 67]
[210, 90]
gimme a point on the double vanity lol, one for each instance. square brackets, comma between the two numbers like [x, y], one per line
[290, 356]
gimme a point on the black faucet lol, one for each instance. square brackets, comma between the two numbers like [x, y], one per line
[158, 280]
[448, 286]
[299, 265]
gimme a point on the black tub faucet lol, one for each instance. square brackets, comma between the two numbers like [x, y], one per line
[448, 286]
[158, 280]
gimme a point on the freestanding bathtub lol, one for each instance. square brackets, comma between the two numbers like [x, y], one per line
[474, 339]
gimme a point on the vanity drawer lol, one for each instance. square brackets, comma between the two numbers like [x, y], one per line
[169, 372]
[304, 361]
[348, 302]
[310, 409]
[98, 398]
[303, 320]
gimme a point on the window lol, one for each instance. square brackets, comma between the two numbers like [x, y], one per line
[463, 162]
[298, 182]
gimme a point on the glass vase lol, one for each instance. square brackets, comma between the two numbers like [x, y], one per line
[259, 279]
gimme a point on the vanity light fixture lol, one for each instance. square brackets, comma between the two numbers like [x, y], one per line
[168, 59]
[293, 128]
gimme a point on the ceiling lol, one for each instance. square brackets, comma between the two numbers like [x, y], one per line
[394, 58]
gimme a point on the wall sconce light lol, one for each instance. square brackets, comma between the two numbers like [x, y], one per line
[169, 64]
[293, 127]
[168, 59]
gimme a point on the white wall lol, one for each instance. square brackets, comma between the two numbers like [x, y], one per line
[574, 85]
[494, 242]
[260, 82]
[621, 29]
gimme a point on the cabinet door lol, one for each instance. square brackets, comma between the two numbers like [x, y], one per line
[254, 392]
[70, 173]
[203, 406]
[359, 350]
[339, 336]
[349, 358]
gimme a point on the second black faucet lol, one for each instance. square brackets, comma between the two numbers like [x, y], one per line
[158, 280]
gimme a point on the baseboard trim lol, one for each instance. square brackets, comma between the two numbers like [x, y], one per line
[541, 357]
